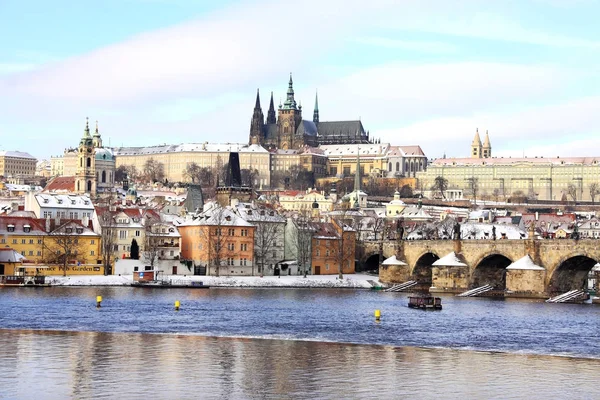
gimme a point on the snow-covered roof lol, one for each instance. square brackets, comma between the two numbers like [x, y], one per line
[16, 154]
[10, 255]
[191, 147]
[449, 260]
[596, 268]
[393, 261]
[525, 263]
[68, 201]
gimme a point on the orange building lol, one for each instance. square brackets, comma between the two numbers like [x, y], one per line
[330, 249]
[218, 242]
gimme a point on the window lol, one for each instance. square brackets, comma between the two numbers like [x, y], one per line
[318, 252]
[68, 230]
[243, 261]
[137, 233]
[39, 241]
[122, 234]
[30, 252]
[79, 230]
[135, 269]
[92, 241]
[244, 246]
[327, 253]
[23, 241]
[230, 246]
[218, 232]
[231, 232]
[244, 232]
[92, 253]
[30, 241]
[39, 253]
[14, 241]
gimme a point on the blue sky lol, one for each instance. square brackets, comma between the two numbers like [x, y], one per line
[415, 72]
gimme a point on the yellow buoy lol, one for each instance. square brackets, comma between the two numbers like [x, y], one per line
[98, 301]
[377, 315]
[177, 304]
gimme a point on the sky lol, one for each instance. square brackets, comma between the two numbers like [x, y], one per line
[422, 72]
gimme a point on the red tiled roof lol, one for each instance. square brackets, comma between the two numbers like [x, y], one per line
[62, 184]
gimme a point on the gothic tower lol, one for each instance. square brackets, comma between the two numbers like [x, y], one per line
[487, 147]
[257, 123]
[271, 118]
[316, 112]
[85, 177]
[476, 146]
[289, 118]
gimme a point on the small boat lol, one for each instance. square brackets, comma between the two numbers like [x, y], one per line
[153, 278]
[425, 302]
[24, 278]
[163, 284]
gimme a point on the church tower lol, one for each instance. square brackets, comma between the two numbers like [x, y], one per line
[97, 140]
[476, 146]
[487, 147]
[85, 177]
[289, 118]
[258, 122]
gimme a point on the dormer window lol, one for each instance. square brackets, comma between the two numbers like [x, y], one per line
[249, 212]
[79, 230]
[228, 218]
[262, 212]
[73, 202]
[59, 201]
[26, 228]
[11, 228]
[68, 230]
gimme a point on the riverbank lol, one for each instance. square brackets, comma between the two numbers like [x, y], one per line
[352, 281]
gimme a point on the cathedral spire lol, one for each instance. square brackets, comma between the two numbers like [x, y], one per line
[271, 119]
[257, 105]
[316, 112]
[290, 102]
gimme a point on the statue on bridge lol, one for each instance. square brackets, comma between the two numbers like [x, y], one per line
[493, 232]
[456, 231]
[399, 230]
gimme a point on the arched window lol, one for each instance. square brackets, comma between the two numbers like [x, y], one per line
[397, 166]
[89, 186]
[89, 162]
[103, 176]
[78, 186]
[110, 177]
[81, 162]
[406, 166]
[390, 167]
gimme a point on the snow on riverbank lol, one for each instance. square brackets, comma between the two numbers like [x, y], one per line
[357, 281]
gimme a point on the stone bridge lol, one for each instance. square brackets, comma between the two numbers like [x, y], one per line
[565, 264]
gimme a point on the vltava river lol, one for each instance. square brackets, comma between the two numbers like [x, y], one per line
[290, 344]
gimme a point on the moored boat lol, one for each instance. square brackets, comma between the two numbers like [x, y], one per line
[425, 302]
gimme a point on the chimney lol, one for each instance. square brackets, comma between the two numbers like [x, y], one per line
[537, 216]
[48, 224]
[85, 221]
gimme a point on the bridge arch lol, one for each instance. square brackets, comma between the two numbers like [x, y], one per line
[491, 270]
[571, 273]
[422, 270]
[371, 262]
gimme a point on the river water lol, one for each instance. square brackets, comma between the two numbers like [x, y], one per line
[291, 344]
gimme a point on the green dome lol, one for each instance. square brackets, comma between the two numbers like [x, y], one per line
[104, 154]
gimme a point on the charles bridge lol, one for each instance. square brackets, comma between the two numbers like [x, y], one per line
[565, 264]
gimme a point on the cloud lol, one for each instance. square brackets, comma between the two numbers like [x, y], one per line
[566, 129]
[436, 47]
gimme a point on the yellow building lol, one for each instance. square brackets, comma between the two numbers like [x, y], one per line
[51, 241]
[395, 207]
[13, 163]
[175, 158]
[294, 200]
[502, 178]
[342, 158]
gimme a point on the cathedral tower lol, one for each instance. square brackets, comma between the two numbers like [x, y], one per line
[257, 123]
[97, 140]
[289, 118]
[271, 117]
[85, 177]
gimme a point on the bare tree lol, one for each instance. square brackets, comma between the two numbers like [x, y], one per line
[440, 184]
[152, 242]
[131, 171]
[192, 172]
[594, 191]
[473, 185]
[154, 171]
[572, 191]
[269, 231]
[217, 238]
[345, 246]
[108, 235]
[406, 191]
[62, 245]
[249, 177]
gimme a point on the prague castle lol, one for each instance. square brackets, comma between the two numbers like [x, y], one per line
[288, 130]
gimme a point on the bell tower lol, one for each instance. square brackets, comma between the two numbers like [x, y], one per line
[288, 119]
[476, 146]
[85, 177]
